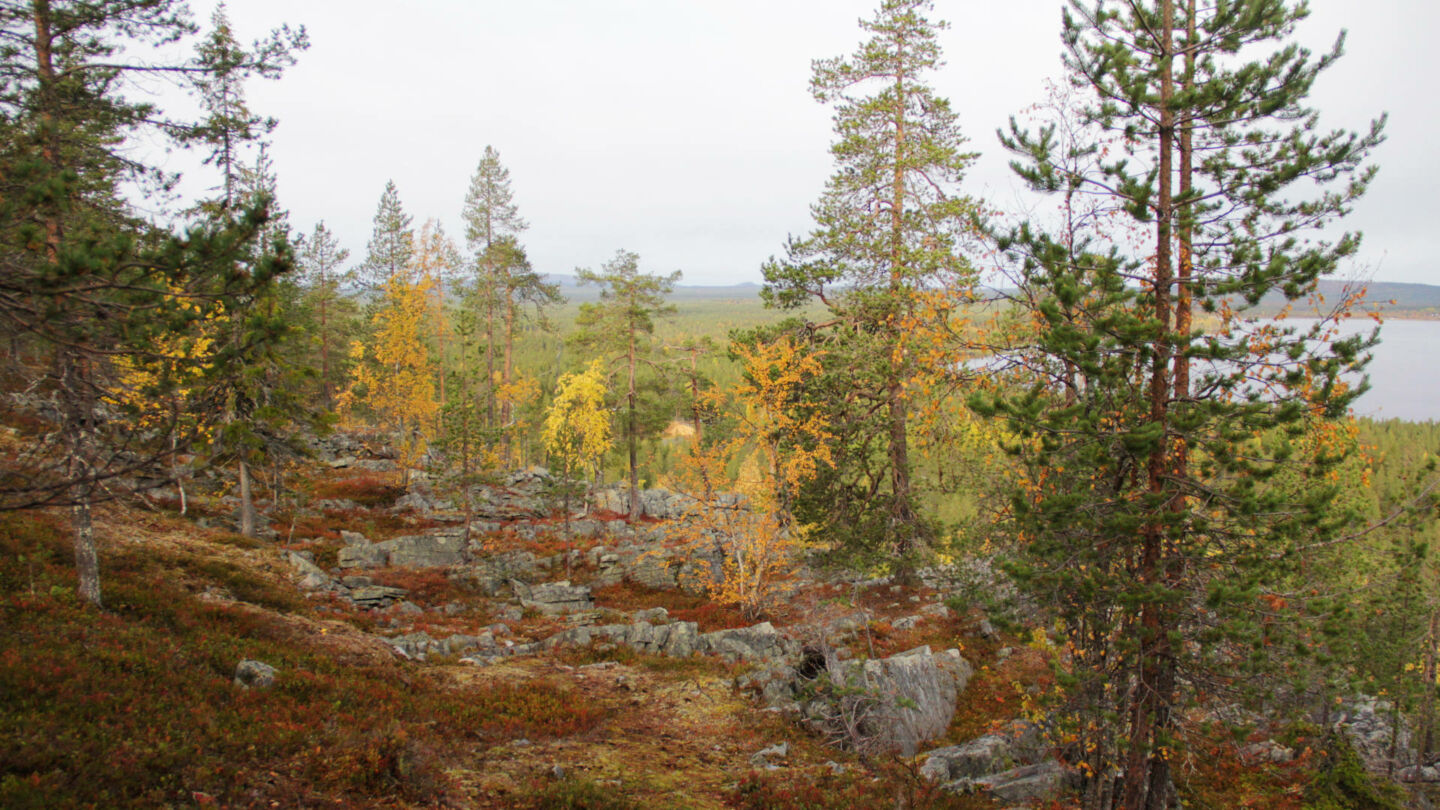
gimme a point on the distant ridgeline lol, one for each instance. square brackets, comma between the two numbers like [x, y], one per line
[576, 292]
[1392, 298]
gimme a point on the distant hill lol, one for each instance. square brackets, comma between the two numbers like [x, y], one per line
[573, 290]
[1392, 297]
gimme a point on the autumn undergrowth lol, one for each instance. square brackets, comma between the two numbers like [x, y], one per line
[134, 706]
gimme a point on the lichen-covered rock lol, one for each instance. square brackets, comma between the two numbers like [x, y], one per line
[252, 674]
[312, 577]
[377, 596]
[911, 696]
[755, 643]
[553, 598]
[433, 550]
[1030, 783]
[1018, 745]
[366, 556]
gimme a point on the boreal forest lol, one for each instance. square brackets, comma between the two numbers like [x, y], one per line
[967, 505]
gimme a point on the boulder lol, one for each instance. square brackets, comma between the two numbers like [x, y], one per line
[252, 674]
[759, 642]
[1020, 744]
[1031, 783]
[1366, 721]
[912, 696]
[377, 596]
[312, 577]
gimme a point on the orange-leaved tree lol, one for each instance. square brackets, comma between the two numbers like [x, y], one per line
[776, 447]
[396, 376]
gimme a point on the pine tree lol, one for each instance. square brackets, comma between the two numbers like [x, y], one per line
[230, 125]
[391, 242]
[1150, 510]
[321, 261]
[86, 287]
[621, 325]
[888, 231]
[490, 212]
[504, 282]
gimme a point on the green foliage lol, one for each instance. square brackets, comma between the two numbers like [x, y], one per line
[889, 231]
[620, 327]
[1176, 482]
[1342, 783]
[391, 242]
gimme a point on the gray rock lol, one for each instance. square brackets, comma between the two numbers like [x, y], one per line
[312, 578]
[914, 696]
[374, 596]
[760, 642]
[766, 756]
[1267, 751]
[1031, 783]
[1020, 744]
[356, 581]
[252, 674]
[370, 556]
[433, 550]
[554, 598]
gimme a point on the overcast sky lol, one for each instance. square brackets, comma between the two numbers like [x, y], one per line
[684, 130]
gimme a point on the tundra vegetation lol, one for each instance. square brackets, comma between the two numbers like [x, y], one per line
[277, 529]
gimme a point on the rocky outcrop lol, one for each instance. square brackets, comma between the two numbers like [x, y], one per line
[1030, 783]
[377, 597]
[895, 703]
[679, 639]
[419, 646]
[760, 643]
[439, 548]
[1368, 723]
[1019, 745]
[554, 598]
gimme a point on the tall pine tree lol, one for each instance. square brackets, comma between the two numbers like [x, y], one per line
[888, 231]
[621, 325]
[1151, 514]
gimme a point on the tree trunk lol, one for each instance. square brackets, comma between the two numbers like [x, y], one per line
[632, 434]
[247, 502]
[1146, 775]
[903, 518]
[325, 390]
[490, 360]
[1432, 640]
[508, 368]
[87, 561]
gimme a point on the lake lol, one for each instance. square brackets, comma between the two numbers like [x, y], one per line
[1405, 371]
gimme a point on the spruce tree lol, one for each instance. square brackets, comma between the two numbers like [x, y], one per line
[888, 230]
[1151, 514]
